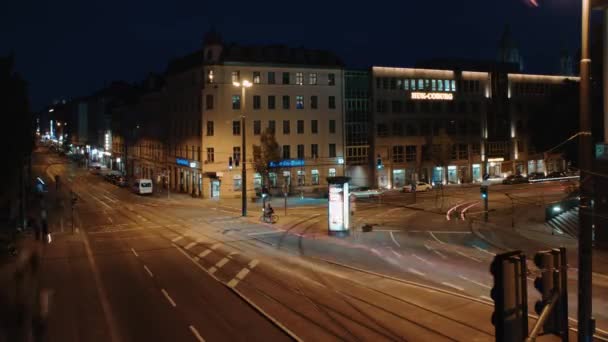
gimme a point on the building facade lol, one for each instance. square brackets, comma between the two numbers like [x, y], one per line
[357, 126]
[294, 93]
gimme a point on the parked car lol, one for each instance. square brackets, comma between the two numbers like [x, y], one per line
[110, 177]
[536, 175]
[121, 182]
[420, 186]
[556, 174]
[515, 179]
[142, 186]
[365, 192]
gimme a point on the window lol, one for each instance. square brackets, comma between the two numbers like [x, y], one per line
[257, 102]
[314, 177]
[332, 102]
[237, 182]
[236, 102]
[272, 126]
[476, 148]
[210, 76]
[285, 78]
[406, 84]
[433, 85]
[272, 177]
[332, 126]
[300, 126]
[299, 78]
[331, 79]
[463, 152]
[257, 127]
[312, 78]
[393, 83]
[385, 83]
[286, 128]
[210, 155]
[332, 150]
[256, 77]
[286, 150]
[236, 127]
[397, 106]
[398, 154]
[236, 76]
[236, 155]
[300, 151]
[410, 153]
[314, 102]
[299, 102]
[314, 151]
[314, 126]
[440, 85]
[397, 129]
[285, 101]
[453, 85]
[382, 130]
[271, 79]
[378, 83]
[331, 172]
[301, 177]
[271, 102]
[210, 129]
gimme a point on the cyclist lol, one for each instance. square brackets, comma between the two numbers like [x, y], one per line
[269, 211]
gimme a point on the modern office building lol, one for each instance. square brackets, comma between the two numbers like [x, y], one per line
[295, 93]
[357, 126]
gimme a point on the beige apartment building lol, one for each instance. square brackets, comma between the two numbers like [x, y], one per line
[294, 92]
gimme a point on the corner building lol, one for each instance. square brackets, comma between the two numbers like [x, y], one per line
[295, 92]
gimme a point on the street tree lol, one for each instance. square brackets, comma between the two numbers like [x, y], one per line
[266, 152]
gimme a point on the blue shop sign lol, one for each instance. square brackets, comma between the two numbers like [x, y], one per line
[182, 162]
[287, 163]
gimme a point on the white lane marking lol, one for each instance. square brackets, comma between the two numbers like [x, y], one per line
[449, 212]
[149, 272]
[201, 240]
[253, 263]
[453, 286]
[109, 199]
[212, 270]
[204, 253]
[243, 273]
[216, 246]
[110, 219]
[395, 241]
[484, 250]
[387, 230]
[196, 334]
[231, 254]
[436, 239]
[196, 258]
[175, 239]
[486, 298]
[375, 251]
[190, 245]
[440, 231]
[463, 212]
[423, 260]
[168, 297]
[268, 232]
[134, 252]
[415, 271]
[475, 282]
[397, 254]
[440, 254]
[233, 282]
[468, 256]
[222, 262]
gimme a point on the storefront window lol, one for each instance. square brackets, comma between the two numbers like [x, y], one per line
[332, 172]
[398, 178]
[257, 181]
[476, 172]
[315, 177]
[301, 177]
[237, 182]
[452, 174]
[531, 166]
[438, 175]
[272, 177]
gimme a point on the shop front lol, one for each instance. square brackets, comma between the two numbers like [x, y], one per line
[188, 176]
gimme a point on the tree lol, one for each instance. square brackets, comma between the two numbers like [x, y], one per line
[266, 152]
[439, 149]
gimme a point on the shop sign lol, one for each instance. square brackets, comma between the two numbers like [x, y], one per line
[431, 96]
[182, 162]
[287, 163]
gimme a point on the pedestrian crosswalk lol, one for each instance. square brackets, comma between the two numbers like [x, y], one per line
[565, 223]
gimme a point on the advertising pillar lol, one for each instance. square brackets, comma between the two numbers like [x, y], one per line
[339, 219]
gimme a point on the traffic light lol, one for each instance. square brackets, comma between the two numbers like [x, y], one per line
[230, 163]
[379, 164]
[547, 283]
[484, 192]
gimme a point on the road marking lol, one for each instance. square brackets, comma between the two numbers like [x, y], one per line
[440, 254]
[233, 282]
[222, 262]
[264, 233]
[453, 286]
[212, 270]
[134, 252]
[196, 334]
[415, 271]
[175, 239]
[462, 213]
[373, 250]
[253, 263]
[168, 297]
[204, 253]
[423, 260]
[436, 239]
[484, 250]
[395, 241]
[475, 282]
[468, 256]
[110, 219]
[216, 246]
[396, 253]
[242, 274]
[190, 245]
[486, 298]
[149, 272]
[387, 230]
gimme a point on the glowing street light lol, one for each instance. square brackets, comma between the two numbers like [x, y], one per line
[244, 85]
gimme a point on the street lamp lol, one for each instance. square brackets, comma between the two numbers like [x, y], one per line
[243, 85]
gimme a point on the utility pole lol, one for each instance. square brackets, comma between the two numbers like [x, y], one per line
[585, 321]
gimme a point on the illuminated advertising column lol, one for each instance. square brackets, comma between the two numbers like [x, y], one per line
[338, 208]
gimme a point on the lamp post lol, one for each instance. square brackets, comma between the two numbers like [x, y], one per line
[243, 85]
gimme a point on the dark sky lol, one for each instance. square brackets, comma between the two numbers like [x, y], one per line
[68, 48]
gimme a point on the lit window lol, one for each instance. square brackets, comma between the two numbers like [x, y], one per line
[314, 177]
[406, 84]
[453, 85]
[447, 85]
[236, 76]
[433, 85]
[299, 78]
[312, 78]
[256, 77]
[332, 172]
[420, 84]
[236, 102]
[331, 79]
[299, 102]
[210, 76]
[440, 85]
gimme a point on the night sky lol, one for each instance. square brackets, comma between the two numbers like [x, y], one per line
[70, 48]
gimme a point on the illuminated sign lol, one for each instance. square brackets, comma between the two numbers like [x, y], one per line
[182, 162]
[494, 160]
[432, 96]
[336, 213]
[286, 163]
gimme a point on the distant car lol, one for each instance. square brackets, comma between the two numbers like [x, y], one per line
[110, 177]
[556, 174]
[122, 182]
[515, 179]
[366, 192]
[142, 186]
[536, 175]
[96, 170]
[420, 186]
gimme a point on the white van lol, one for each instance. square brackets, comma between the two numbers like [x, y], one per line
[142, 186]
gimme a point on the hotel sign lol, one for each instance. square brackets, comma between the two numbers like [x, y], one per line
[432, 96]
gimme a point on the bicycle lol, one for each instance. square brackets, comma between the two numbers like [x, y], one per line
[269, 218]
